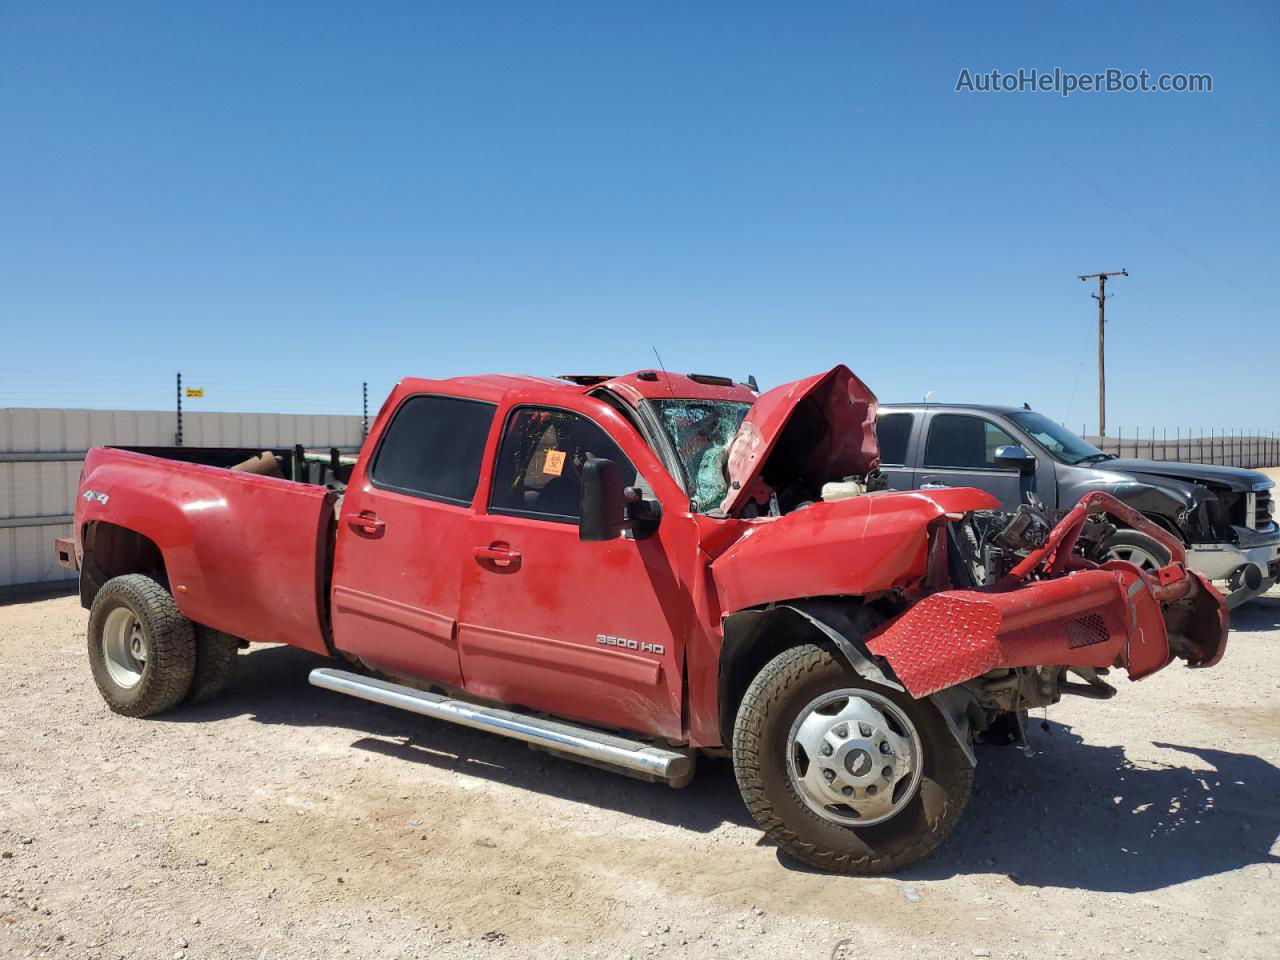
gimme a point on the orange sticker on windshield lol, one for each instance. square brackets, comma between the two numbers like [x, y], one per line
[554, 463]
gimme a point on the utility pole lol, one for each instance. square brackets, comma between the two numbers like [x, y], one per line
[1101, 297]
[178, 435]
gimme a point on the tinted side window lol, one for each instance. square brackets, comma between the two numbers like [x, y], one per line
[539, 468]
[959, 440]
[893, 429]
[433, 448]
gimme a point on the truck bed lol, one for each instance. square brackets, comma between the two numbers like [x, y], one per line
[209, 525]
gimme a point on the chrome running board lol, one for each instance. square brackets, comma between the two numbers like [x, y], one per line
[659, 763]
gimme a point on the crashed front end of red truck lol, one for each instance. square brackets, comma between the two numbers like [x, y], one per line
[916, 600]
[986, 590]
[1055, 611]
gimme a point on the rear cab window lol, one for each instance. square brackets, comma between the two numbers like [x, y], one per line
[433, 449]
[893, 430]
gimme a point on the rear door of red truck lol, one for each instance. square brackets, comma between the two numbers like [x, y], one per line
[402, 531]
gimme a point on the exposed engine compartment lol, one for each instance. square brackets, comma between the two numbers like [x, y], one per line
[987, 544]
[991, 548]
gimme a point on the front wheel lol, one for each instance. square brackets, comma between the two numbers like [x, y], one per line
[845, 774]
[1145, 553]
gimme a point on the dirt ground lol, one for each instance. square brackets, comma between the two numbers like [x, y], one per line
[285, 821]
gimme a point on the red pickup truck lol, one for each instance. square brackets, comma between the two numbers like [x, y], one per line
[631, 571]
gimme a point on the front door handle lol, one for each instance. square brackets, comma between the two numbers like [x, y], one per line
[934, 485]
[366, 522]
[499, 554]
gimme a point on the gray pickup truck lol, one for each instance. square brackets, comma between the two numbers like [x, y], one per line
[1222, 514]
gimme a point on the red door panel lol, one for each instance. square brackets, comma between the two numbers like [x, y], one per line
[402, 534]
[395, 594]
[576, 629]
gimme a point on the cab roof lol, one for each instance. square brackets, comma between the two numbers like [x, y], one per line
[631, 387]
[998, 408]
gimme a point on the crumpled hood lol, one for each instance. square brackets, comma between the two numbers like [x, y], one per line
[818, 429]
[854, 547]
[1234, 478]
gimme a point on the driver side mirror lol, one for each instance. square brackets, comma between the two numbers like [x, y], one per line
[1014, 456]
[603, 508]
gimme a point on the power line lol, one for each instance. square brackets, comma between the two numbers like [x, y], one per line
[1101, 297]
[1158, 234]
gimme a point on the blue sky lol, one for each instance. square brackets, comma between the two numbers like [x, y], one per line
[283, 200]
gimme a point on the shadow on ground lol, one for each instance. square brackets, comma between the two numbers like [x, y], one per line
[1072, 815]
[1262, 613]
[1083, 815]
[37, 593]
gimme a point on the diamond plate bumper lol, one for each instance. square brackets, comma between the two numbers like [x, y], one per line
[1081, 614]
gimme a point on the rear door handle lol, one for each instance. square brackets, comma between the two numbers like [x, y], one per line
[366, 522]
[934, 485]
[499, 554]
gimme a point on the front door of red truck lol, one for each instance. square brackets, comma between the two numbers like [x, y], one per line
[402, 527]
[587, 630]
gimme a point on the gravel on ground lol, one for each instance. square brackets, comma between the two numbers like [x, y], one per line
[283, 821]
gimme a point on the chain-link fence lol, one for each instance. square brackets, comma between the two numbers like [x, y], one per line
[1232, 448]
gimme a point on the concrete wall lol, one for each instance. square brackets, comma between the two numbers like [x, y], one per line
[42, 450]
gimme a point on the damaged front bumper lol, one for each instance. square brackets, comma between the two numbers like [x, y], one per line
[1249, 567]
[1057, 608]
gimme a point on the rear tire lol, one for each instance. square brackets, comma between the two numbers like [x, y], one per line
[142, 650]
[215, 663]
[764, 746]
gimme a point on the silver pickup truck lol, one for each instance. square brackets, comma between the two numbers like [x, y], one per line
[1222, 514]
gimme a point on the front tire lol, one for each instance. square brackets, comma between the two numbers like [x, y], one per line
[142, 650]
[1143, 552]
[844, 774]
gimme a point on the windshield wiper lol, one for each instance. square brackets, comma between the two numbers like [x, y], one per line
[1096, 457]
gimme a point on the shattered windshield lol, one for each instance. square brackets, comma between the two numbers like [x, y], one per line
[701, 431]
[1057, 439]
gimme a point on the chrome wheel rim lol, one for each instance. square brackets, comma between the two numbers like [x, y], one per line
[124, 648]
[1140, 558]
[854, 757]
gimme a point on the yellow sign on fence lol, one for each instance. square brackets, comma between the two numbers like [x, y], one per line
[195, 391]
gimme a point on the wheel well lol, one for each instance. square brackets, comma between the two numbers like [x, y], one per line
[110, 551]
[1163, 522]
[751, 639]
